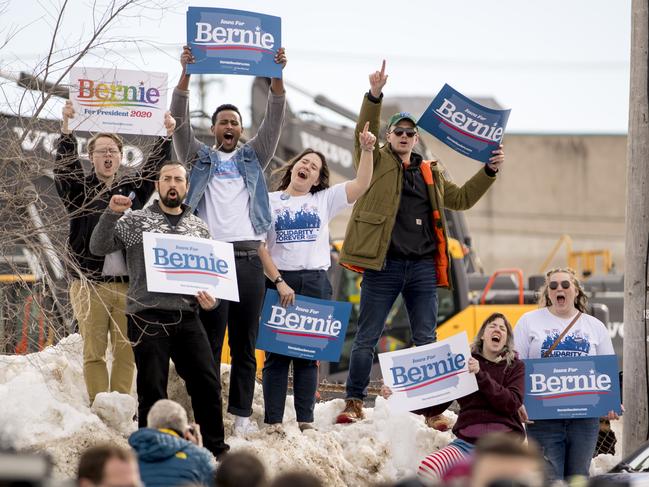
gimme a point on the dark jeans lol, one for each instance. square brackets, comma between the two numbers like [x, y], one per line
[158, 336]
[417, 282]
[242, 321]
[568, 444]
[305, 372]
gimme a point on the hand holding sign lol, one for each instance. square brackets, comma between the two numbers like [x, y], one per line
[497, 159]
[186, 57]
[377, 81]
[206, 300]
[286, 294]
[366, 138]
[170, 123]
[280, 57]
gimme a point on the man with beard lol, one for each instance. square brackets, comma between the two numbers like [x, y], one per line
[228, 191]
[98, 286]
[163, 326]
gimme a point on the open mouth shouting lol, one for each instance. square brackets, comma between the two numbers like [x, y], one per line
[228, 137]
[303, 174]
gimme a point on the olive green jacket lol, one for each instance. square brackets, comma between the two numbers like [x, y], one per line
[370, 227]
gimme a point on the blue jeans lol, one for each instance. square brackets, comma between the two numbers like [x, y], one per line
[568, 444]
[417, 282]
[314, 284]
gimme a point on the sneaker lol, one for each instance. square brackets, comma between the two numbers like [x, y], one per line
[439, 422]
[353, 412]
[305, 426]
[243, 427]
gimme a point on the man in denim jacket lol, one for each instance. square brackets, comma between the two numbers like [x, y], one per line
[227, 190]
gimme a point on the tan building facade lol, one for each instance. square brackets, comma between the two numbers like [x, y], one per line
[551, 185]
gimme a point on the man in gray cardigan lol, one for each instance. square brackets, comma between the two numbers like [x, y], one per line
[164, 326]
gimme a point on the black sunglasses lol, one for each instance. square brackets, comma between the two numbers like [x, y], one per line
[399, 131]
[555, 285]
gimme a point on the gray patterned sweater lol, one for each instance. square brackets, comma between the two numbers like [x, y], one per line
[117, 231]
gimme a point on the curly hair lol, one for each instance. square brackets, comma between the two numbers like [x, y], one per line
[508, 352]
[581, 301]
[284, 172]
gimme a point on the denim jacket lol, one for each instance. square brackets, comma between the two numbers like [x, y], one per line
[248, 164]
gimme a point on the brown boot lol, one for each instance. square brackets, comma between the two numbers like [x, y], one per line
[353, 412]
[438, 422]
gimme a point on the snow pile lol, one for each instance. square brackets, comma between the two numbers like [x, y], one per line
[45, 408]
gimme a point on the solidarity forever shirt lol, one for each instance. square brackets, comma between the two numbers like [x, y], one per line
[537, 330]
[298, 238]
[226, 204]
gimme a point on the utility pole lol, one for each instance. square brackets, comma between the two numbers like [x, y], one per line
[636, 320]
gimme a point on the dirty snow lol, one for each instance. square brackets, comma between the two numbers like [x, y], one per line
[44, 407]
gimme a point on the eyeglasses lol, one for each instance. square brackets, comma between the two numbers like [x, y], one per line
[554, 285]
[399, 131]
[103, 152]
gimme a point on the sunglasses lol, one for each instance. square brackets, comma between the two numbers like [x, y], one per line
[554, 285]
[400, 131]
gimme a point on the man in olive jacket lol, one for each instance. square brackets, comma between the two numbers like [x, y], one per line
[397, 237]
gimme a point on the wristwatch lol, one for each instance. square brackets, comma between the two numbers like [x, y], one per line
[278, 279]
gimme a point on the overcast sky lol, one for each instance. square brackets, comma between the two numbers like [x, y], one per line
[561, 66]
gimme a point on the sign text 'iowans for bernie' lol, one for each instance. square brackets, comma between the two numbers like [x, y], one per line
[429, 369]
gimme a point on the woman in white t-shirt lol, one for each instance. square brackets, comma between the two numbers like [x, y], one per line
[568, 444]
[296, 257]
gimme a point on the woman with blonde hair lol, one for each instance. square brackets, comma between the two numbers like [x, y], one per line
[560, 328]
[492, 408]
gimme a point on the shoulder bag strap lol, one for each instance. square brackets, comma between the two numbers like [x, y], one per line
[558, 340]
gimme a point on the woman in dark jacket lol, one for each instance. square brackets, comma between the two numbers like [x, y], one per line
[492, 408]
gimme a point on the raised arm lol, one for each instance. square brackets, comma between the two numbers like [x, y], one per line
[68, 173]
[185, 142]
[357, 186]
[370, 111]
[264, 143]
[160, 153]
[106, 237]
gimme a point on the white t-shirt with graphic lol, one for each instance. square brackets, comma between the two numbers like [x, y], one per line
[537, 330]
[225, 206]
[298, 238]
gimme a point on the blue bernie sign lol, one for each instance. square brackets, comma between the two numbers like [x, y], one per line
[226, 41]
[464, 125]
[575, 387]
[312, 328]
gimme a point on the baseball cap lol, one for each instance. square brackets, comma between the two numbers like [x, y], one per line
[397, 117]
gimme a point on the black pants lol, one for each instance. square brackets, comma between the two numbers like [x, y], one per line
[158, 336]
[314, 284]
[242, 321]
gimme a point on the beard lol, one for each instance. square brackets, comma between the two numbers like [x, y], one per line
[172, 202]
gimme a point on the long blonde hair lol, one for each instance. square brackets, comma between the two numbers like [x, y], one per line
[581, 301]
[508, 353]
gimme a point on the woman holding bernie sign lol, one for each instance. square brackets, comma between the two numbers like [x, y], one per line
[562, 329]
[296, 257]
[492, 408]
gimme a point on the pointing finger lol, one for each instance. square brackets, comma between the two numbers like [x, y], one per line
[383, 69]
[365, 129]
